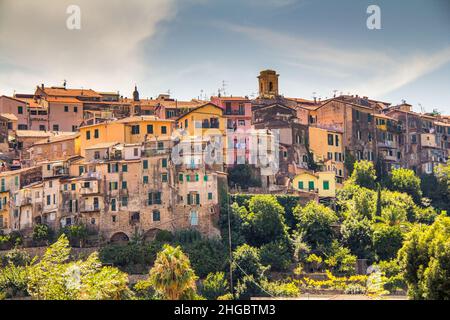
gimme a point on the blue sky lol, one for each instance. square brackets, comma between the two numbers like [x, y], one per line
[192, 45]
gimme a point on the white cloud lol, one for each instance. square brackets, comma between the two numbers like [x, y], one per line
[36, 46]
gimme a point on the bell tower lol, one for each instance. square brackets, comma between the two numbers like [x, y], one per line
[268, 84]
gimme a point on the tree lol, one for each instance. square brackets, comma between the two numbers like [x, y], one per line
[340, 260]
[277, 255]
[405, 180]
[264, 222]
[349, 161]
[357, 236]
[242, 176]
[206, 256]
[316, 222]
[425, 259]
[214, 286]
[364, 174]
[55, 277]
[387, 240]
[172, 276]
[246, 261]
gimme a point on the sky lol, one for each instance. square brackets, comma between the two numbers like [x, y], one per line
[195, 47]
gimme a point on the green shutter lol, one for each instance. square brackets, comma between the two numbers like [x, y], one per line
[300, 185]
[326, 185]
[205, 178]
[311, 185]
[180, 177]
[164, 163]
[197, 198]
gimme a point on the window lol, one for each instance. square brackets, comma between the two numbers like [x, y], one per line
[163, 130]
[357, 114]
[66, 108]
[124, 201]
[205, 178]
[186, 123]
[113, 205]
[369, 137]
[311, 185]
[160, 145]
[124, 168]
[145, 179]
[56, 127]
[164, 177]
[20, 110]
[22, 127]
[96, 155]
[336, 139]
[210, 195]
[88, 135]
[156, 215]
[228, 108]
[124, 185]
[194, 218]
[164, 163]
[80, 170]
[114, 218]
[180, 177]
[369, 118]
[145, 164]
[150, 129]
[135, 129]
[49, 199]
[73, 187]
[196, 177]
[241, 123]
[326, 185]
[96, 134]
[75, 109]
[330, 139]
[41, 127]
[300, 185]
[113, 185]
[154, 198]
[358, 135]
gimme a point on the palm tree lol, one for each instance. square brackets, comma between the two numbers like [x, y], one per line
[172, 276]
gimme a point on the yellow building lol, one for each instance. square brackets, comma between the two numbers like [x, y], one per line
[328, 150]
[9, 183]
[323, 183]
[205, 120]
[135, 129]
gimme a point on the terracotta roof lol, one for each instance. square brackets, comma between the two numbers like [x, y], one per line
[141, 118]
[31, 102]
[231, 98]
[59, 138]
[63, 100]
[201, 106]
[61, 92]
[9, 116]
[42, 134]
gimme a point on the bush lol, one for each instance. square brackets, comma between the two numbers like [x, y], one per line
[281, 289]
[341, 261]
[164, 236]
[277, 255]
[247, 287]
[16, 257]
[357, 236]
[214, 286]
[315, 262]
[13, 281]
[130, 257]
[247, 258]
[206, 256]
[76, 234]
[355, 289]
[186, 236]
[42, 232]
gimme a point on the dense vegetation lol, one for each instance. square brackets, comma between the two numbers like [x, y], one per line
[387, 223]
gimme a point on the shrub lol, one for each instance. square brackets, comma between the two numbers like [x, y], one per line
[341, 261]
[186, 236]
[315, 262]
[206, 256]
[42, 232]
[76, 234]
[247, 287]
[387, 240]
[164, 236]
[247, 258]
[13, 281]
[281, 289]
[214, 286]
[16, 257]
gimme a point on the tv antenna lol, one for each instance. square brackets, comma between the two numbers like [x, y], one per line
[224, 85]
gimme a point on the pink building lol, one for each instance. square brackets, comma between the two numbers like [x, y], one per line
[238, 115]
[17, 107]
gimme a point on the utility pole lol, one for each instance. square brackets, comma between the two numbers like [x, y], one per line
[229, 242]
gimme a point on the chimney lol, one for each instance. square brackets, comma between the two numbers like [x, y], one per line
[42, 86]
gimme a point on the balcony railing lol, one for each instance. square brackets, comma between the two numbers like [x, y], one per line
[89, 208]
[154, 152]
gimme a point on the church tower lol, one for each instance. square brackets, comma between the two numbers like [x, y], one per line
[136, 94]
[268, 84]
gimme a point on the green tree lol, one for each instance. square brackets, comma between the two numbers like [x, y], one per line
[246, 261]
[215, 285]
[277, 255]
[264, 222]
[357, 236]
[55, 277]
[425, 258]
[172, 276]
[340, 260]
[241, 175]
[316, 222]
[42, 232]
[364, 174]
[405, 180]
[387, 240]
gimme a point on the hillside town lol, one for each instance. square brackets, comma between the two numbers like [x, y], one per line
[122, 166]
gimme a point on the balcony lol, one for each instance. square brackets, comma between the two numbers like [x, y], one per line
[428, 140]
[90, 190]
[154, 152]
[89, 208]
[234, 113]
